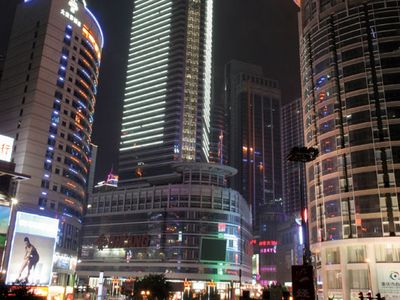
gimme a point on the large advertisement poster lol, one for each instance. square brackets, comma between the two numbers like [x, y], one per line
[389, 280]
[32, 250]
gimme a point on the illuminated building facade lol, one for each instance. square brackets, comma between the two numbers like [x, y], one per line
[166, 113]
[47, 99]
[292, 136]
[161, 229]
[351, 103]
[253, 104]
[218, 149]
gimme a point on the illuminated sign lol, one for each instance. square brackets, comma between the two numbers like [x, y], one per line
[71, 17]
[6, 144]
[268, 243]
[122, 241]
[389, 280]
[32, 250]
[73, 8]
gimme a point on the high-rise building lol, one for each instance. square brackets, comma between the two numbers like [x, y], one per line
[166, 113]
[350, 85]
[218, 150]
[253, 105]
[292, 135]
[47, 98]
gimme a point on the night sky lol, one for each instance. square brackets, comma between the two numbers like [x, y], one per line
[262, 32]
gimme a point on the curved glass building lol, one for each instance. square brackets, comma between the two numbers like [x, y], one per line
[47, 99]
[196, 229]
[350, 59]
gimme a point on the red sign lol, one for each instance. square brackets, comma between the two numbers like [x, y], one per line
[122, 241]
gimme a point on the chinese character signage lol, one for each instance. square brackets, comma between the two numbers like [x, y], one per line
[6, 144]
[389, 279]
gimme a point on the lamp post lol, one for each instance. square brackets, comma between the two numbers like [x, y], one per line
[303, 155]
[145, 294]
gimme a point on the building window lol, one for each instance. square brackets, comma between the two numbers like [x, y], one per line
[334, 279]
[367, 204]
[364, 181]
[387, 252]
[358, 279]
[356, 254]
[370, 228]
[332, 256]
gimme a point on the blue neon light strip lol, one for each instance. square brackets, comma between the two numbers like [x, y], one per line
[98, 25]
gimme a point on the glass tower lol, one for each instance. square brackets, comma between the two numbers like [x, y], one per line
[351, 99]
[168, 87]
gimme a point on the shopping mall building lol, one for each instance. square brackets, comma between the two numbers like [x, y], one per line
[196, 229]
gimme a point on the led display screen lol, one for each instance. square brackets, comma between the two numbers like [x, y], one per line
[213, 249]
[32, 250]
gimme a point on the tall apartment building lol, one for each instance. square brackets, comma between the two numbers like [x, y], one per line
[253, 105]
[292, 134]
[166, 113]
[350, 84]
[47, 98]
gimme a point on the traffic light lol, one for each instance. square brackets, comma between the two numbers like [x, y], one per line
[361, 296]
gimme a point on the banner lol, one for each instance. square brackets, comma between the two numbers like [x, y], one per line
[32, 250]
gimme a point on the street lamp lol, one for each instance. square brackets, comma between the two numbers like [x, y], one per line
[303, 155]
[145, 294]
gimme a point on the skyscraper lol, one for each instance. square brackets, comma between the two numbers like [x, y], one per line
[218, 149]
[293, 173]
[166, 114]
[350, 78]
[47, 99]
[253, 105]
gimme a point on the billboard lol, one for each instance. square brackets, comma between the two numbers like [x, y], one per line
[389, 280]
[6, 144]
[213, 249]
[32, 250]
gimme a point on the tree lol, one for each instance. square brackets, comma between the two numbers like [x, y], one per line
[158, 286]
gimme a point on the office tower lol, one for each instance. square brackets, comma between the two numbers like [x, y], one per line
[253, 105]
[168, 87]
[293, 175]
[47, 99]
[349, 56]
[218, 149]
